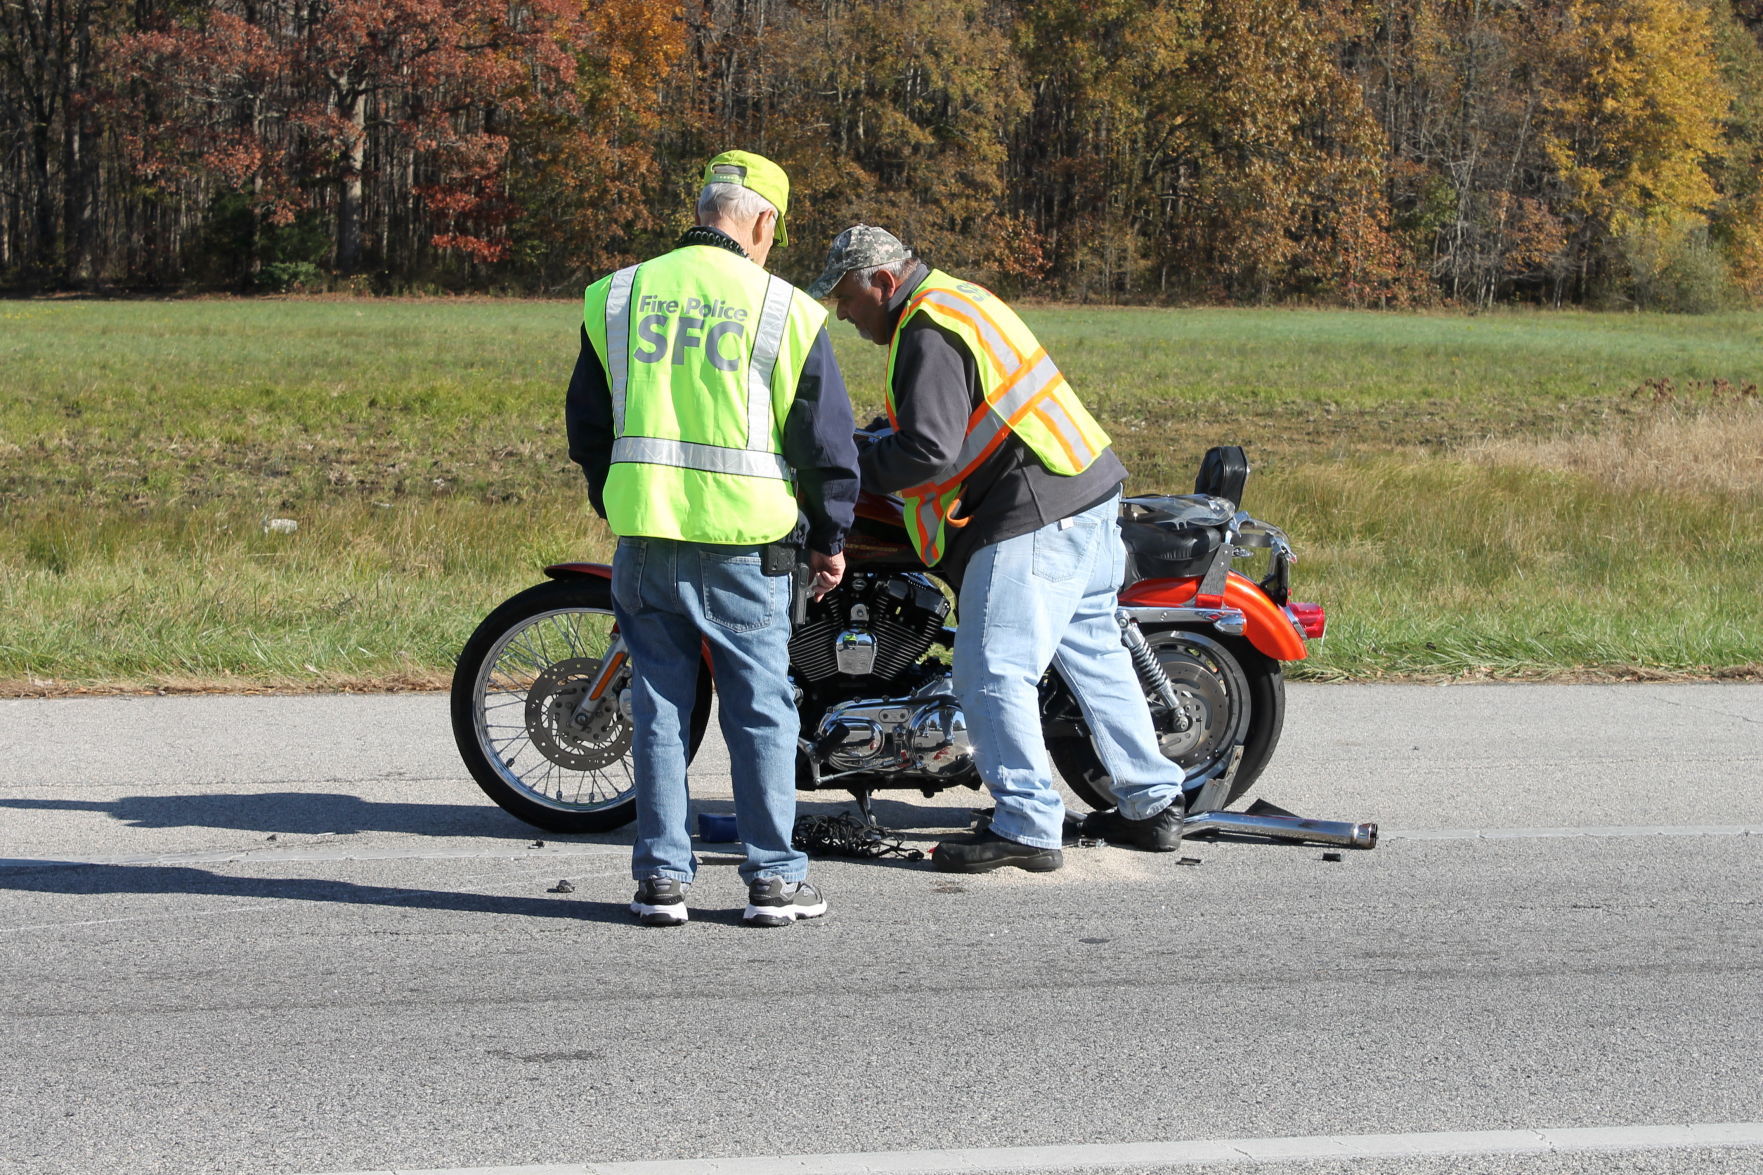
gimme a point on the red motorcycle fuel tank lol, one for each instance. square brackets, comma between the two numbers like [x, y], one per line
[878, 533]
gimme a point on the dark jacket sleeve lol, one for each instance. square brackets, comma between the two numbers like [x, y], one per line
[934, 382]
[587, 414]
[818, 445]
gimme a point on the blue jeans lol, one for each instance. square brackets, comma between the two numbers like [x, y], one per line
[668, 597]
[1043, 598]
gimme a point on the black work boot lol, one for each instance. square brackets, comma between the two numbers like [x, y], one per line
[986, 850]
[1160, 833]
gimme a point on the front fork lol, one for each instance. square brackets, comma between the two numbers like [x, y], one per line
[601, 694]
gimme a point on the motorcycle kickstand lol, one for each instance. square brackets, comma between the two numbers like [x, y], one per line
[862, 796]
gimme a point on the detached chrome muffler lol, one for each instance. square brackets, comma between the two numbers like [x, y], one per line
[1264, 819]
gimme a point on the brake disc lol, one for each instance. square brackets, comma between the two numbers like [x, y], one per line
[598, 738]
[1190, 735]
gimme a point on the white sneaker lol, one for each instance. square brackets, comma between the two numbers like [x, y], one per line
[772, 901]
[660, 901]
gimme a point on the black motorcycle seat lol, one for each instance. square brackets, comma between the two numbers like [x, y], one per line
[1164, 552]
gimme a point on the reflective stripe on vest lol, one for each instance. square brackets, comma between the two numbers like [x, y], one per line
[1029, 390]
[618, 340]
[768, 339]
[705, 458]
[1024, 386]
[1005, 358]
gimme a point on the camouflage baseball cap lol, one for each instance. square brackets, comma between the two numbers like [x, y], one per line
[756, 173]
[858, 247]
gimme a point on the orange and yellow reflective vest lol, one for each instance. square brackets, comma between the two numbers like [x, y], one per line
[1023, 395]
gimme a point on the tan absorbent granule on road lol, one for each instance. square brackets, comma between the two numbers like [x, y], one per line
[1082, 863]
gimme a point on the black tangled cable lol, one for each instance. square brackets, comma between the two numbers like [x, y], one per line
[843, 835]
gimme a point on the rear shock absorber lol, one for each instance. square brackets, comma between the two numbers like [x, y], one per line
[1145, 661]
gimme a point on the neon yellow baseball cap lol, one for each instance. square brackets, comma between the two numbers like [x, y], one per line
[755, 172]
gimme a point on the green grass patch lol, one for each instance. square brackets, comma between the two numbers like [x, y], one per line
[1433, 566]
[1436, 473]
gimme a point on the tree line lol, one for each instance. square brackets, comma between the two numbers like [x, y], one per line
[1360, 152]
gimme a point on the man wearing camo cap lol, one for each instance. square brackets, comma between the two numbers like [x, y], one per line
[1019, 505]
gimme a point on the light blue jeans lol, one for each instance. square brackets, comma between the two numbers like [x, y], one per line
[1049, 598]
[668, 597]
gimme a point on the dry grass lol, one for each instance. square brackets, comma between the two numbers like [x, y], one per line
[1712, 447]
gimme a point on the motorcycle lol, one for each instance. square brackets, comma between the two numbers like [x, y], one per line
[542, 719]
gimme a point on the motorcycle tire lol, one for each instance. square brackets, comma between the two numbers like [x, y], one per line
[1231, 692]
[516, 685]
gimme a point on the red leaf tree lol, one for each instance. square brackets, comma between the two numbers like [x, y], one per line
[299, 104]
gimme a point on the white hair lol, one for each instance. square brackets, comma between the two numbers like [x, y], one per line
[899, 269]
[731, 203]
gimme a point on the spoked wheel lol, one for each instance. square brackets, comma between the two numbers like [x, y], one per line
[523, 720]
[1226, 693]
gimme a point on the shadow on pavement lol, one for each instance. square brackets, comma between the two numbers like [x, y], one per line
[72, 877]
[318, 813]
[295, 813]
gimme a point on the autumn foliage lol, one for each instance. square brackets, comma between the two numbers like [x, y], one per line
[1365, 152]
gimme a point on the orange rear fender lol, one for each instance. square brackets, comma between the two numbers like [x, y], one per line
[1265, 624]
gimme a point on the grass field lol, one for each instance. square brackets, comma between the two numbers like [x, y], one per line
[1515, 495]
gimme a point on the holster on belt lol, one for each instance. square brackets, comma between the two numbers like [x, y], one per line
[783, 556]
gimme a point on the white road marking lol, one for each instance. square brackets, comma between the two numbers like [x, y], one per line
[1102, 1156]
[136, 918]
[1593, 830]
[469, 886]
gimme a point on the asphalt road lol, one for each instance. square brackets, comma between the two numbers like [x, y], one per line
[289, 935]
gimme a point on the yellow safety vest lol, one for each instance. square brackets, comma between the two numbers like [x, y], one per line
[702, 351]
[1024, 396]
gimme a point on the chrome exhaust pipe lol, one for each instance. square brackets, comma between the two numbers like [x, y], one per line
[1264, 819]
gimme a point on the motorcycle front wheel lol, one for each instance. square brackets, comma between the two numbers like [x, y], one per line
[517, 690]
[1227, 693]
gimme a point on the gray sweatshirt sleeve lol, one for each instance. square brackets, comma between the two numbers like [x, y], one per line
[934, 392]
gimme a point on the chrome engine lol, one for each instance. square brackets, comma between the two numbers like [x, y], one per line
[892, 711]
[868, 627]
[923, 734]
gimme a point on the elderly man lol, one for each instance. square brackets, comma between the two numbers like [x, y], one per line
[1012, 489]
[705, 406]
